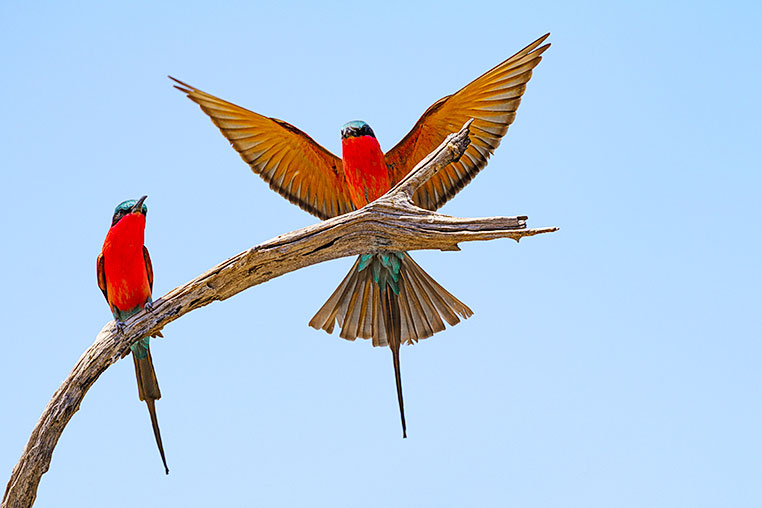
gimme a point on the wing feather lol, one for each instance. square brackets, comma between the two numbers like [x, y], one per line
[491, 100]
[149, 267]
[290, 161]
[100, 269]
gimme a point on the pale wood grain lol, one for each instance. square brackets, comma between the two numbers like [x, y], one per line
[390, 223]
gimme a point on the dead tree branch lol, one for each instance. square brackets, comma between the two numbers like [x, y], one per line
[392, 222]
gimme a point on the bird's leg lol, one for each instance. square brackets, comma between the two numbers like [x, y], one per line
[149, 307]
[119, 326]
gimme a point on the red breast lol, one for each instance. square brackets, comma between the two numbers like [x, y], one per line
[364, 169]
[126, 276]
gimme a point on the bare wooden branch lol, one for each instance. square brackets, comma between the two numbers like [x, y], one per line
[392, 222]
[453, 147]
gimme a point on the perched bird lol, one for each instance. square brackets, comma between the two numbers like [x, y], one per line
[125, 275]
[386, 296]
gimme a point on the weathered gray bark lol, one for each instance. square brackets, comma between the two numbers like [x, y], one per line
[390, 223]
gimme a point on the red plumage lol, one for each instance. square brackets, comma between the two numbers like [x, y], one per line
[127, 282]
[365, 170]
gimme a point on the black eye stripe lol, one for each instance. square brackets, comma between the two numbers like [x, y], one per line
[125, 208]
[118, 216]
[355, 132]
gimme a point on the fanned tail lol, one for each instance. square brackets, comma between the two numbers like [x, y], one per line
[357, 308]
[148, 389]
[388, 298]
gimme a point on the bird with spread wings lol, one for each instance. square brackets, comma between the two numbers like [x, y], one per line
[386, 296]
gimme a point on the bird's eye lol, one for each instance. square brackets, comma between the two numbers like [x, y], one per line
[118, 216]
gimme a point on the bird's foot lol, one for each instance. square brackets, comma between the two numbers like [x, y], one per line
[149, 307]
[119, 326]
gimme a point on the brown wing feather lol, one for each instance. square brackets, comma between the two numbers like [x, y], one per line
[289, 160]
[491, 100]
[100, 269]
[149, 267]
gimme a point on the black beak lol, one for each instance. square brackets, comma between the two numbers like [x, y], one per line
[138, 206]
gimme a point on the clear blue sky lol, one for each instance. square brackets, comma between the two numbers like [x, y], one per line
[614, 363]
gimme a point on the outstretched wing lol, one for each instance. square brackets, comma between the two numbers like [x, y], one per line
[491, 100]
[149, 267]
[289, 160]
[100, 269]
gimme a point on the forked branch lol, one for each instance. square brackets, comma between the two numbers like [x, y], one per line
[392, 222]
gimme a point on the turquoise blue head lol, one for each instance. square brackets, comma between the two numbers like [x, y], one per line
[356, 128]
[127, 207]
